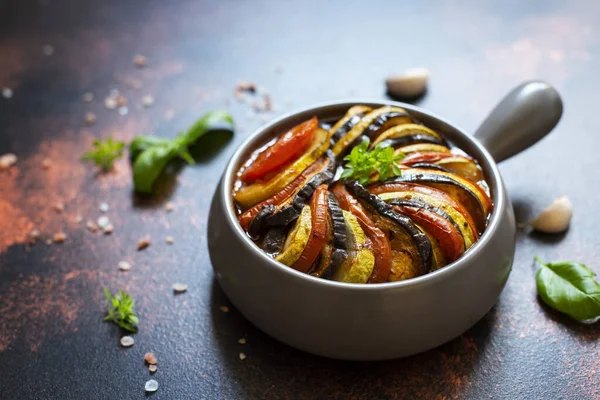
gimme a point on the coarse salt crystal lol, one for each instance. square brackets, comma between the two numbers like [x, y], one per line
[104, 207]
[147, 101]
[124, 266]
[169, 206]
[127, 341]
[151, 386]
[103, 221]
[152, 368]
[180, 287]
[170, 239]
[242, 356]
[123, 111]
[7, 93]
[7, 161]
[110, 103]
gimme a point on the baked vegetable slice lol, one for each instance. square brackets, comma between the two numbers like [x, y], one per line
[343, 126]
[249, 195]
[289, 212]
[318, 234]
[297, 239]
[284, 196]
[407, 134]
[434, 197]
[422, 147]
[411, 249]
[359, 263]
[334, 250]
[287, 147]
[371, 125]
[379, 242]
[463, 190]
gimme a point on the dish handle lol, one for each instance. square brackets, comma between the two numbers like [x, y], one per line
[524, 116]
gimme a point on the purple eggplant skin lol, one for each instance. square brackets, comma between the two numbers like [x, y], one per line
[273, 241]
[291, 212]
[419, 238]
[258, 224]
[478, 215]
[378, 123]
[345, 128]
[425, 165]
[339, 253]
[422, 205]
[412, 139]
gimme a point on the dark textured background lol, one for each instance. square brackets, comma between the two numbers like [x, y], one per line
[53, 343]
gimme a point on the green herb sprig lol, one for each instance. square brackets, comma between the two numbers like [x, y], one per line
[105, 153]
[150, 154]
[362, 164]
[120, 310]
[570, 288]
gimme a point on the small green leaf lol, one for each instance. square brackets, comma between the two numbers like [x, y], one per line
[208, 122]
[120, 310]
[150, 155]
[570, 288]
[104, 153]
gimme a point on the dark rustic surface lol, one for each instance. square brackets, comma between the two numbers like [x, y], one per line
[53, 343]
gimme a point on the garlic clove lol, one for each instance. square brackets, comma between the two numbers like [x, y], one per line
[412, 83]
[555, 218]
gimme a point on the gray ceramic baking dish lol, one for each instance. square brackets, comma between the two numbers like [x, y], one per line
[388, 320]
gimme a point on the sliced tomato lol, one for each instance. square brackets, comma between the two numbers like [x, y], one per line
[440, 194]
[380, 244]
[282, 196]
[318, 233]
[449, 237]
[287, 147]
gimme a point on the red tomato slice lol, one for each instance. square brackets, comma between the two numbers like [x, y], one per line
[286, 148]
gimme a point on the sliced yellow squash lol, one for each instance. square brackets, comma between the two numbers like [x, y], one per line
[404, 130]
[349, 114]
[463, 167]
[357, 268]
[365, 122]
[297, 239]
[248, 196]
[422, 147]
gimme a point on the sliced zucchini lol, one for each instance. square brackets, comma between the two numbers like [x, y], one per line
[297, 239]
[343, 126]
[247, 196]
[359, 264]
[462, 166]
[422, 147]
[371, 125]
[407, 134]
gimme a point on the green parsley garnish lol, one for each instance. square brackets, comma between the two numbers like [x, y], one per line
[120, 310]
[362, 164]
[104, 154]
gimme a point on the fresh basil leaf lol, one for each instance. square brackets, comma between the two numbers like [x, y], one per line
[141, 143]
[208, 122]
[150, 163]
[570, 288]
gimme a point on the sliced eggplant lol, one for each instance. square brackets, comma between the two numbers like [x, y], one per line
[249, 195]
[422, 147]
[436, 222]
[466, 192]
[424, 165]
[273, 241]
[438, 206]
[358, 266]
[290, 212]
[411, 247]
[462, 166]
[334, 251]
[343, 126]
[258, 225]
[371, 125]
[297, 239]
[407, 134]
[286, 195]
